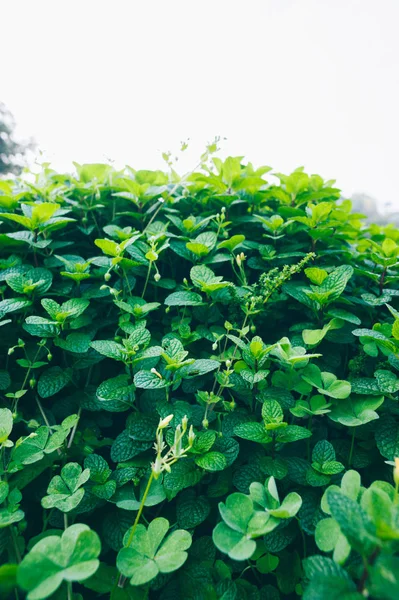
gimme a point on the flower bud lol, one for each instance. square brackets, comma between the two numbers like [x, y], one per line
[153, 370]
[228, 363]
[10, 351]
[214, 346]
[49, 356]
[205, 423]
[107, 276]
[157, 467]
[238, 260]
[184, 423]
[32, 382]
[165, 422]
[191, 436]
[157, 276]
[103, 287]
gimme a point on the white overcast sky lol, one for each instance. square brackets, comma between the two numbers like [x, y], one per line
[287, 82]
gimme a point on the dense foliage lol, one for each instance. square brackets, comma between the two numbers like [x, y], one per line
[199, 388]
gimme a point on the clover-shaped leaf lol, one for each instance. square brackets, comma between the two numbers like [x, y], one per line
[267, 497]
[316, 405]
[54, 559]
[355, 411]
[234, 535]
[11, 513]
[149, 555]
[326, 383]
[248, 517]
[65, 491]
[328, 535]
[33, 447]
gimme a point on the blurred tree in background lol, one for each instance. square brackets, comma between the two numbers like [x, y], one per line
[12, 152]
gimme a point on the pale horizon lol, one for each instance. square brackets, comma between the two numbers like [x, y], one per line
[288, 83]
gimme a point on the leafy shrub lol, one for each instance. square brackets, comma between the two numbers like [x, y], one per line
[199, 390]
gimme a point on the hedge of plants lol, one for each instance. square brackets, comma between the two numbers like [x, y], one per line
[198, 387]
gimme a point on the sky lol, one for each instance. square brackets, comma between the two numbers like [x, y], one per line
[289, 83]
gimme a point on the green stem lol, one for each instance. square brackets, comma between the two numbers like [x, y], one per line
[147, 278]
[68, 583]
[15, 543]
[136, 521]
[122, 578]
[15, 402]
[351, 449]
[45, 419]
[74, 428]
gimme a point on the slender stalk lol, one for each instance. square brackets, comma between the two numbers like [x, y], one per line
[351, 449]
[15, 402]
[15, 544]
[68, 583]
[45, 419]
[136, 521]
[74, 428]
[146, 280]
[122, 578]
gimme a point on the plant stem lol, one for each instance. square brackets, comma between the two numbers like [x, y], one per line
[68, 583]
[122, 578]
[45, 419]
[15, 401]
[382, 279]
[351, 449]
[136, 521]
[147, 278]
[74, 428]
[15, 544]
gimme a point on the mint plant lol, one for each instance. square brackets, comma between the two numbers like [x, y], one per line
[199, 385]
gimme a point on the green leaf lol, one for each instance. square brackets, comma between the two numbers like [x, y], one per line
[197, 248]
[211, 461]
[232, 243]
[149, 555]
[115, 394]
[183, 299]
[387, 437]
[6, 424]
[191, 510]
[65, 491]
[201, 367]
[353, 522]
[98, 467]
[110, 349]
[52, 381]
[356, 411]
[41, 327]
[13, 305]
[149, 381]
[54, 559]
[205, 279]
[255, 432]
